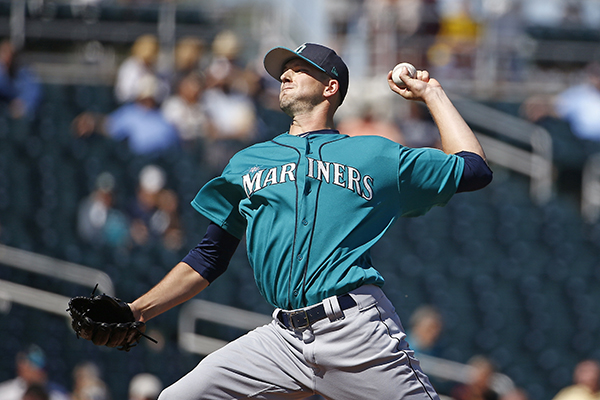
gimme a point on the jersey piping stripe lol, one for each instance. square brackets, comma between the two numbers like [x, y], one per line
[312, 231]
[405, 354]
[295, 221]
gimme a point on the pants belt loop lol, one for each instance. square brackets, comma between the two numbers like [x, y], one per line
[333, 310]
[275, 313]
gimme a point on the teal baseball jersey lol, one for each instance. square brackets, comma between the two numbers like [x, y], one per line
[313, 205]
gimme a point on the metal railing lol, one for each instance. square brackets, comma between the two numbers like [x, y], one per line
[41, 299]
[64, 270]
[198, 309]
[534, 155]
[458, 372]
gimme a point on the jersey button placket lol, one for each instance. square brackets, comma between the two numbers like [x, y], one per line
[303, 222]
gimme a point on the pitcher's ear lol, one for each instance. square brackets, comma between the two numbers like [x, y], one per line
[333, 87]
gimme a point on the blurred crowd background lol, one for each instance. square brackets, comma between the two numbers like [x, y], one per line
[114, 113]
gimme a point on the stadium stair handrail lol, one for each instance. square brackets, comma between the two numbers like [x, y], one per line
[535, 161]
[51, 267]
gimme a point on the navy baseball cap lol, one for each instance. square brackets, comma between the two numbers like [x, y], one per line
[320, 56]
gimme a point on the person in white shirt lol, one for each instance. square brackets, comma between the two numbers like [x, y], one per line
[31, 370]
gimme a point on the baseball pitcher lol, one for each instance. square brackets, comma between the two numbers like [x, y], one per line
[312, 202]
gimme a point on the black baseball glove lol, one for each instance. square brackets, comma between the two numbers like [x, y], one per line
[106, 321]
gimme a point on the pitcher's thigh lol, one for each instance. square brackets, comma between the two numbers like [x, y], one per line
[368, 358]
[258, 365]
[402, 380]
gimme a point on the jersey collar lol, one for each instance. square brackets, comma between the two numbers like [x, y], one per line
[318, 136]
[319, 132]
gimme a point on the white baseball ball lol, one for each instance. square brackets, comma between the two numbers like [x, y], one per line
[412, 72]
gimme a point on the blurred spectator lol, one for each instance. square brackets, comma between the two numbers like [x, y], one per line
[154, 211]
[145, 387]
[578, 105]
[232, 123]
[453, 52]
[151, 181]
[543, 12]
[418, 129]
[166, 220]
[504, 35]
[366, 123]
[572, 14]
[480, 381]
[343, 17]
[141, 62]
[430, 18]
[88, 384]
[382, 19]
[425, 327]
[31, 370]
[406, 27]
[141, 123]
[230, 110]
[423, 336]
[188, 55]
[427, 30]
[225, 48]
[36, 392]
[98, 221]
[515, 394]
[19, 85]
[586, 383]
[572, 117]
[185, 110]
[418, 23]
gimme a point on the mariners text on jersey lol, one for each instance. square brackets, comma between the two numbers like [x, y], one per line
[329, 172]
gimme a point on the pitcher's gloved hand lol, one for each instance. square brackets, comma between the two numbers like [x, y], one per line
[106, 321]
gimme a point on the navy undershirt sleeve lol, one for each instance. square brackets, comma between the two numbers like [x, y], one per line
[476, 174]
[211, 257]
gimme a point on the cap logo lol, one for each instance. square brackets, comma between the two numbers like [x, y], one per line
[334, 71]
[301, 48]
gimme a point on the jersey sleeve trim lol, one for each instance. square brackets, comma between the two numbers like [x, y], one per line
[211, 257]
[476, 174]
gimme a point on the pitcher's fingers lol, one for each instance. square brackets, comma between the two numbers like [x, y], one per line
[423, 75]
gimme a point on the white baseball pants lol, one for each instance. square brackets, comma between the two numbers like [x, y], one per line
[363, 355]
